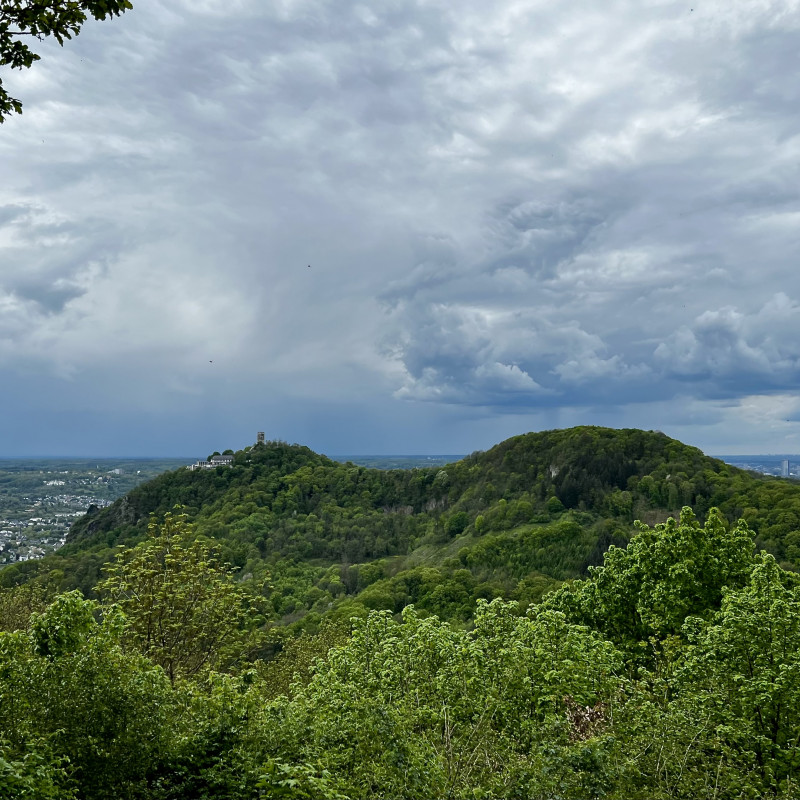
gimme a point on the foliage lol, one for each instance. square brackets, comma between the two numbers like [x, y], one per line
[298, 657]
[657, 661]
[671, 671]
[716, 715]
[182, 607]
[18, 603]
[418, 708]
[667, 573]
[76, 709]
[299, 781]
[312, 536]
[744, 669]
[61, 19]
[36, 774]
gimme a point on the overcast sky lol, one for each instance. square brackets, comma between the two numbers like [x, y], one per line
[517, 216]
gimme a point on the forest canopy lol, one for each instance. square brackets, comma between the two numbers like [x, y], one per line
[314, 538]
[665, 673]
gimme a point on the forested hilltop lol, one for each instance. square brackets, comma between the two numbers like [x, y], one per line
[302, 628]
[312, 534]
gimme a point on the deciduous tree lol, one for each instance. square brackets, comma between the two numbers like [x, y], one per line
[183, 608]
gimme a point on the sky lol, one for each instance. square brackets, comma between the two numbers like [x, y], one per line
[412, 226]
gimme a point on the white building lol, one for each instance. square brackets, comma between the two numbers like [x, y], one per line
[216, 461]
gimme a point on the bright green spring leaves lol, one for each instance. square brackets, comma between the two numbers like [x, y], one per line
[667, 573]
[76, 710]
[742, 678]
[182, 607]
[717, 715]
[416, 708]
[671, 673]
[711, 636]
[684, 684]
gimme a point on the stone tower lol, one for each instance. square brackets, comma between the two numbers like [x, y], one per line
[260, 437]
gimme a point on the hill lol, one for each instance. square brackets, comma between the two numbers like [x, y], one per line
[511, 522]
[671, 671]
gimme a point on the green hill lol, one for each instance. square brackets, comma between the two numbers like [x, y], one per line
[512, 522]
[671, 671]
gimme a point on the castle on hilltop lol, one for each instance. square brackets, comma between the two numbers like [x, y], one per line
[222, 460]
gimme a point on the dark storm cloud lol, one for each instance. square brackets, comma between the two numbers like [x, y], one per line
[572, 212]
[617, 258]
[733, 351]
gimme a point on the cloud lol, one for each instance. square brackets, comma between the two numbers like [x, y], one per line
[731, 349]
[531, 212]
[484, 356]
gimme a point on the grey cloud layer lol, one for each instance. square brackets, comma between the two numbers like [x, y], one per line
[514, 206]
[678, 199]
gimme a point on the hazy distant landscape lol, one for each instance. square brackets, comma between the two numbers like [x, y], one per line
[399, 461]
[765, 464]
[41, 498]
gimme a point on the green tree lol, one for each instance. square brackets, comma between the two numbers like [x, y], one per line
[667, 573]
[39, 19]
[35, 774]
[183, 608]
[716, 715]
[76, 711]
[420, 709]
[457, 523]
[18, 603]
[743, 675]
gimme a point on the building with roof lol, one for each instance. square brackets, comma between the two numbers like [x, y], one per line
[215, 461]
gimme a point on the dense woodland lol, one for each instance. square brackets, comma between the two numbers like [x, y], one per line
[500, 627]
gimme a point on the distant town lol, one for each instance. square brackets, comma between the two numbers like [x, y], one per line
[41, 528]
[784, 466]
[41, 498]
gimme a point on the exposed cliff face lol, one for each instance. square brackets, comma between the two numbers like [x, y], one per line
[120, 513]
